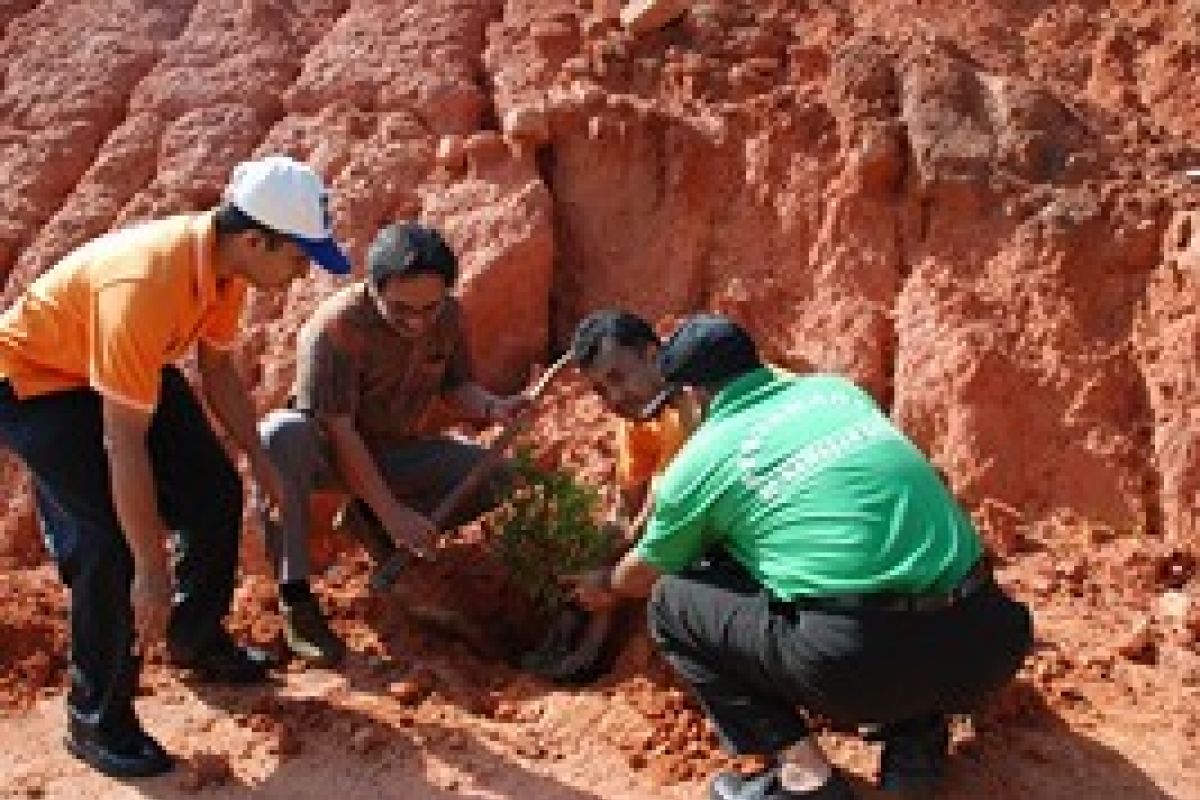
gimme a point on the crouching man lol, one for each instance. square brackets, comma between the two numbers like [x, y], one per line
[811, 558]
[371, 362]
[615, 351]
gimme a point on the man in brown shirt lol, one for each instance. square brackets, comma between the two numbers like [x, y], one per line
[371, 362]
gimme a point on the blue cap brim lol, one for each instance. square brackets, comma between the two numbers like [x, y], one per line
[326, 254]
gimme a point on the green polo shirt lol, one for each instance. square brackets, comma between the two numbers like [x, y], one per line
[809, 485]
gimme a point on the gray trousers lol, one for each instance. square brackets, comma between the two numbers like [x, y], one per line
[420, 473]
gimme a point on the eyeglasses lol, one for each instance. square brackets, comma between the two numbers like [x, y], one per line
[401, 309]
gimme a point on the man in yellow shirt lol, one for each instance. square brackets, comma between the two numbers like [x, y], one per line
[615, 351]
[121, 452]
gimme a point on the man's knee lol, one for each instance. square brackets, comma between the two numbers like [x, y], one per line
[289, 438]
[662, 610]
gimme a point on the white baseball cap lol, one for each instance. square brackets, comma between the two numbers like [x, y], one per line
[289, 198]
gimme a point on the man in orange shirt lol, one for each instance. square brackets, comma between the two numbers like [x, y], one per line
[615, 351]
[121, 452]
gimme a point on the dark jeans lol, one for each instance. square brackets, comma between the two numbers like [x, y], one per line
[60, 438]
[755, 663]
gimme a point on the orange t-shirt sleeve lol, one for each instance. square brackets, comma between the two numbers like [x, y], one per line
[223, 323]
[131, 332]
[637, 454]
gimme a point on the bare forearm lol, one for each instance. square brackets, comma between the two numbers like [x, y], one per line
[601, 589]
[634, 507]
[643, 516]
[358, 468]
[227, 397]
[629, 500]
[632, 577]
[132, 482]
[406, 527]
[472, 400]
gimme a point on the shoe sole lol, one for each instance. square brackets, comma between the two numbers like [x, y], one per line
[98, 764]
[314, 660]
[314, 656]
[225, 679]
[249, 676]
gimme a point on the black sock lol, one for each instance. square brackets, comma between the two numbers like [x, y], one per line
[294, 592]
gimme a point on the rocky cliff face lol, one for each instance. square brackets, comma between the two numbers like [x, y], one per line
[976, 210]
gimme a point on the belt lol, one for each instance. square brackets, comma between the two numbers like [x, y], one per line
[979, 576]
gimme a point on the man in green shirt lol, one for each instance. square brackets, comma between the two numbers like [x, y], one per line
[811, 558]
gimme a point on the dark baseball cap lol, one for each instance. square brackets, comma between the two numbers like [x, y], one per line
[706, 350]
[405, 249]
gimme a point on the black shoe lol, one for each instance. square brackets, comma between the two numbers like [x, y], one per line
[224, 661]
[357, 520]
[308, 634]
[914, 757]
[132, 753]
[765, 785]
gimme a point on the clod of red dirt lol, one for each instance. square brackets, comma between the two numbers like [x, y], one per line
[1175, 568]
[1000, 525]
[676, 743]
[644, 16]
[1191, 626]
[32, 787]
[204, 770]
[32, 636]
[1140, 644]
[1179, 616]
[288, 742]
[505, 712]
[411, 690]
[368, 739]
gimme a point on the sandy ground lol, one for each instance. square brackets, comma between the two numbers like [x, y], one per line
[413, 714]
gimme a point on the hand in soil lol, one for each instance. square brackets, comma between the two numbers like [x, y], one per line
[591, 590]
[582, 661]
[410, 530]
[270, 493]
[507, 409]
[557, 643]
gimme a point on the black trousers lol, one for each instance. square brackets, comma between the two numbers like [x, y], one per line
[757, 665]
[59, 437]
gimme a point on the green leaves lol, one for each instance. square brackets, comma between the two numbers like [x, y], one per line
[548, 528]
